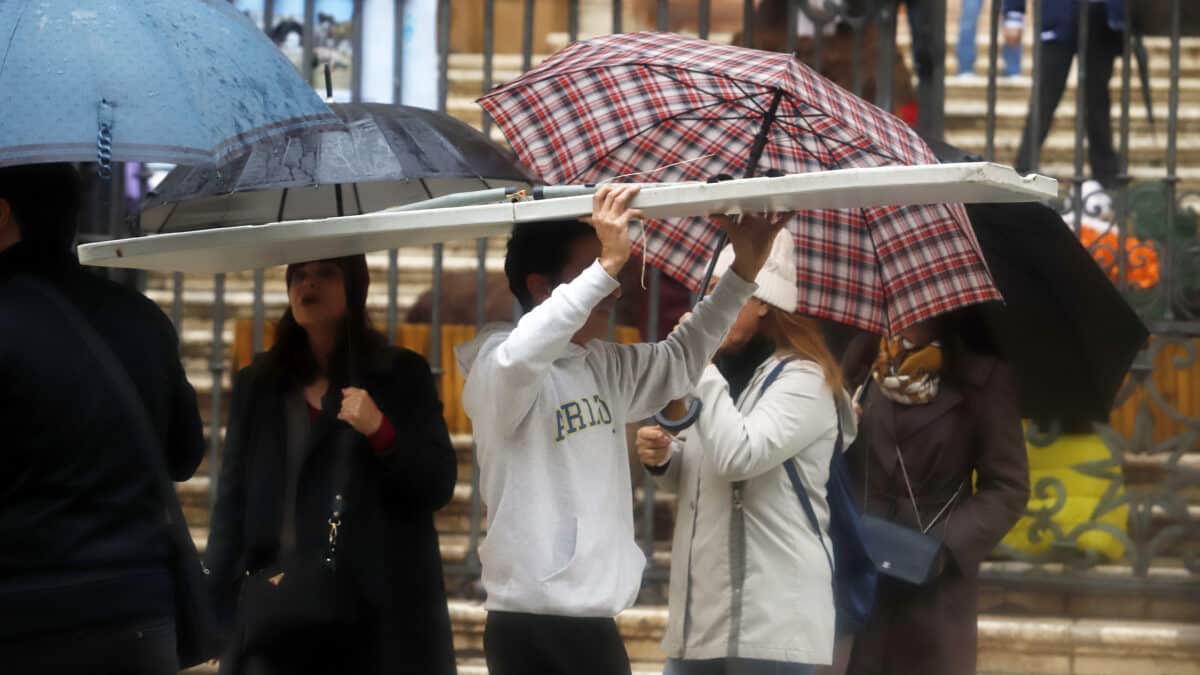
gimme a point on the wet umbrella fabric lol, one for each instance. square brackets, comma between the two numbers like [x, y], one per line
[661, 107]
[181, 82]
[385, 155]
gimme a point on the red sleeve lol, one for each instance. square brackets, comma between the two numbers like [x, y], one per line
[381, 441]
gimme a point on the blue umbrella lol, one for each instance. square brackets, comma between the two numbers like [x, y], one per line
[179, 81]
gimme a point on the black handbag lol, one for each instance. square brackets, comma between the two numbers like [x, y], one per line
[196, 636]
[305, 590]
[901, 552]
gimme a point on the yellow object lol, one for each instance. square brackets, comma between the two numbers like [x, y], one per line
[1061, 460]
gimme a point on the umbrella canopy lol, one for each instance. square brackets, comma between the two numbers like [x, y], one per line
[182, 82]
[386, 155]
[1064, 327]
[669, 108]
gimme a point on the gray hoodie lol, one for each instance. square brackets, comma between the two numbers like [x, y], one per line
[549, 419]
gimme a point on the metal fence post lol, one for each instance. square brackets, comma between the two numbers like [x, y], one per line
[1172, 179]
[931, 86]
[1033, 130]
[259, 320]
[993, 57]
[1082, 82]
[216, 366]
[309, 42]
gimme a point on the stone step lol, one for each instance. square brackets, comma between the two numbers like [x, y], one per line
[960, 112]
[976, 87]
[1168, 592]
[465, 76]
[1144, 151]
[1045, 646]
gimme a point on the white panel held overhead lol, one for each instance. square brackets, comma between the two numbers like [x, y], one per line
[246, 247]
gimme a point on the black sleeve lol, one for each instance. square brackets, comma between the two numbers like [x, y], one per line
[225, 539]
[185, 431]
[420, 468]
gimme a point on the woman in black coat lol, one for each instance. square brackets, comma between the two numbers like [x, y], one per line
[293, 412]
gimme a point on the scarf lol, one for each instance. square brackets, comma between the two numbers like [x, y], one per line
[908, 373]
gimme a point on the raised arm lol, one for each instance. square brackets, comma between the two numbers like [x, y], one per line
[517, 365]
[652, 375]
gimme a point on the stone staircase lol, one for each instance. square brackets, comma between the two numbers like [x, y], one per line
[1105, 621]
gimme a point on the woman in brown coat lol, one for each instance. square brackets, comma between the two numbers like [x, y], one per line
[941, 415]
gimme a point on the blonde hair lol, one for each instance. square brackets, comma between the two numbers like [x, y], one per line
[800, 335]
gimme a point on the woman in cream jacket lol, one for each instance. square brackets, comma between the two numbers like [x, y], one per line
[750, 588]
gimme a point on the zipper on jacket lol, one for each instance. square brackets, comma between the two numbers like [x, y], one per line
[737, 569]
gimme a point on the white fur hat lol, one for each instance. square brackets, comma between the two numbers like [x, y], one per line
[777, 278]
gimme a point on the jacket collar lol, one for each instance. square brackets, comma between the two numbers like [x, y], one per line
[898, 423]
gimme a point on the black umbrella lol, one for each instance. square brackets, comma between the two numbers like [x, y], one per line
[387, 155]
[1063, 327]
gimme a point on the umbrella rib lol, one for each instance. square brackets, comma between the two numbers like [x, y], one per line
[169, 215]
[752, 98]
[668, 74]
[649, 127]
[822, 137]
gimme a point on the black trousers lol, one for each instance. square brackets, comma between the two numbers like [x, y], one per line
[129, 648]
[535, 644]
[1103, 48]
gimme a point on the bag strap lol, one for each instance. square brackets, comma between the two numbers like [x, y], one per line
[793, 473]
[128, 395]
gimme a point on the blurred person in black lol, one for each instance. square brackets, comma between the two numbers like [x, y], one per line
[86, 573]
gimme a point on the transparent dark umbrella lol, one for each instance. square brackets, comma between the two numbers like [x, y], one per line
[387, 155]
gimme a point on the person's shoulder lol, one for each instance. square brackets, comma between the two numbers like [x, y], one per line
[806, 374]
[137, 305]
[393, 360]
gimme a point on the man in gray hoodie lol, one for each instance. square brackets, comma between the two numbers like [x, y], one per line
[549, 401]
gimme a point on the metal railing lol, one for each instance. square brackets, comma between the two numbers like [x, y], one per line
[1159, 522]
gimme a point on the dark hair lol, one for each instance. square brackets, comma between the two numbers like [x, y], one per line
[801, 335]
[356, 335]
[45, 201]
[540, 248]
[965, 331]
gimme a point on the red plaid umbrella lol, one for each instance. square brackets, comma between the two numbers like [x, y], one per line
[668, 108]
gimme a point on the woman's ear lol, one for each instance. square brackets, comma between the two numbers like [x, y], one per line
[761, 308]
